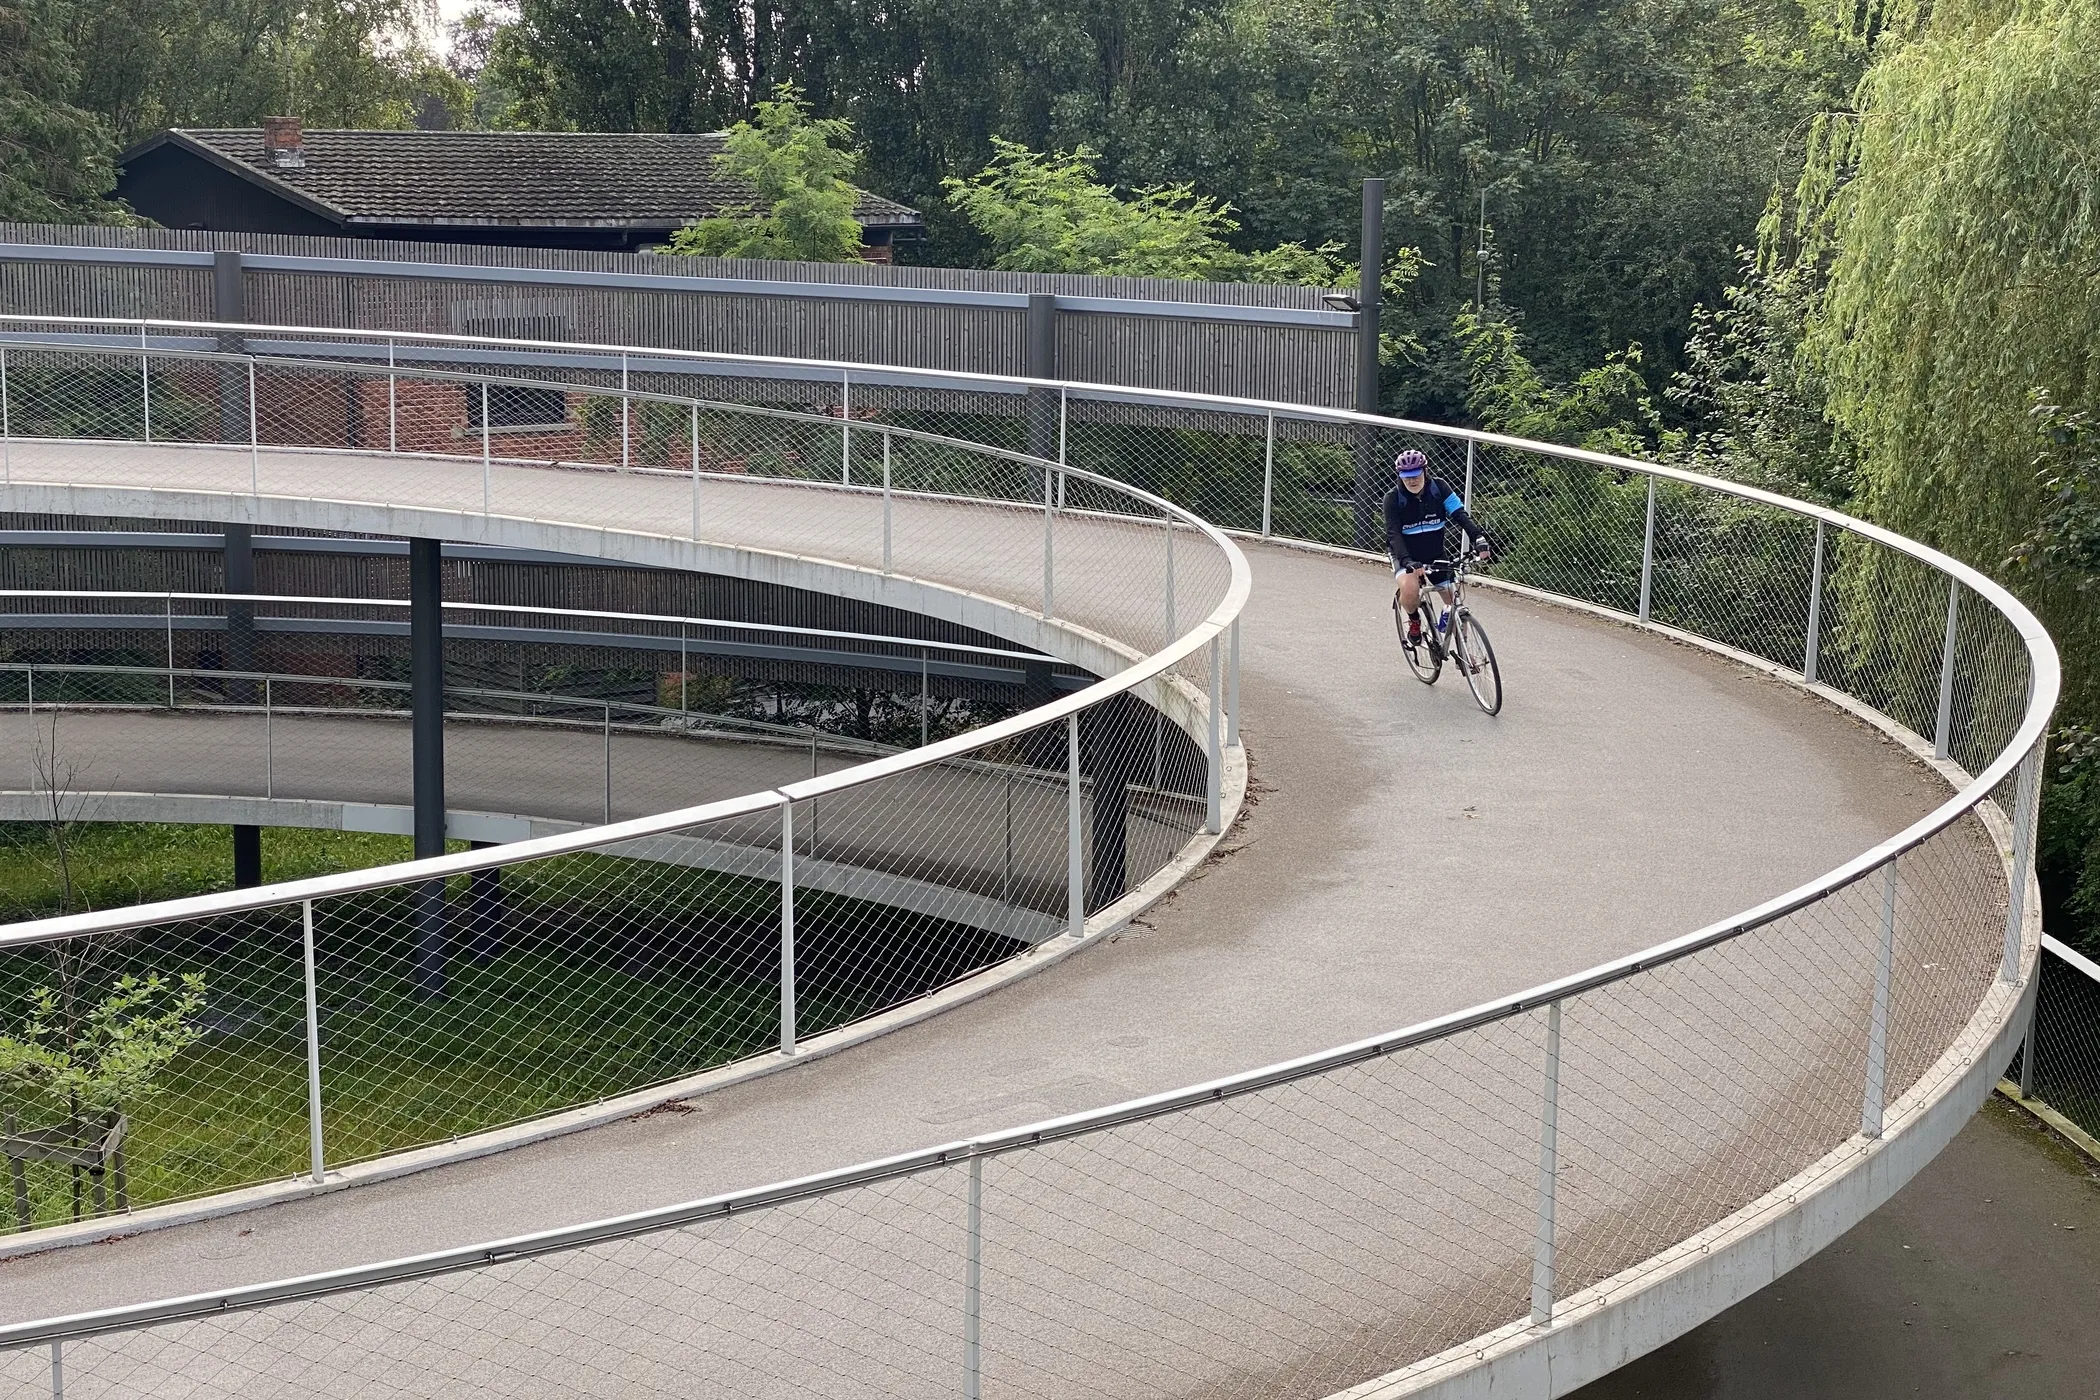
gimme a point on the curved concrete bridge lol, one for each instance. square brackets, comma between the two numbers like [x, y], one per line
[1399, 857]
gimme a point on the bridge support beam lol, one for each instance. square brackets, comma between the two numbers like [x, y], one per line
[486, 912]
[229, 304]
[247, 857]
[239, 544]
[426, 678]
[1044, 437]
[1113, 736]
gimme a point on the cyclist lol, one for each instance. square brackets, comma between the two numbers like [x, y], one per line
[1418, 511]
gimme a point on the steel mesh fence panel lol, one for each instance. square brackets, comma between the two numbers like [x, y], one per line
[1292, 1241]
[1566, 527]
[1293, 1238]
[2064, 1045]
[1733, 571]
[852, 1295]
[1884, 624]
[451, 1007]
[1683, 1099]
[1950, 914]
[228, 1105]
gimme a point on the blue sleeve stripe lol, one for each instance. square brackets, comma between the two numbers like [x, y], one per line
[1453, 504]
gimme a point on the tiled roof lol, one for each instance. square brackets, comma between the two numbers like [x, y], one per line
[511, 178]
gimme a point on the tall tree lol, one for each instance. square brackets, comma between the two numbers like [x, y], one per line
[54, 156]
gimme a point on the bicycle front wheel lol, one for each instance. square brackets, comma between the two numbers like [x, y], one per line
[1422, 656]
[1476, 660]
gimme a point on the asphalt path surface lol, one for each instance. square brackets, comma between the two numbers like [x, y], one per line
[1979, 1279]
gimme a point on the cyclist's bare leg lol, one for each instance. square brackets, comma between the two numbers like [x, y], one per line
[1408, 584]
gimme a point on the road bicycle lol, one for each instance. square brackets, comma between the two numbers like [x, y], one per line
[1449, 630]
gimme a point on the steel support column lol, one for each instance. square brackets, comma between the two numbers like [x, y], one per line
[229, 304]
[426, 678]
[239, 543]
[1043, 426]
[486, 910]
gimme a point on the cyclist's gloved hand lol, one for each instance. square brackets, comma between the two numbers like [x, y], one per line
[1483, 551]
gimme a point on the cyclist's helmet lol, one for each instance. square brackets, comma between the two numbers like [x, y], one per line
[1411, 463]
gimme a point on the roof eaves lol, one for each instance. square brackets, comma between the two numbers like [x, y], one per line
[470, 221]
[255, 175]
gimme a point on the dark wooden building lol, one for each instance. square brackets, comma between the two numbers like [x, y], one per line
[606, 191]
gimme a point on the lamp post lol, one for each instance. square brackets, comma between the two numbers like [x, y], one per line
[1370, 477]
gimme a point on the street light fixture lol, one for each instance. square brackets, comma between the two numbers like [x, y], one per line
[1341, 301]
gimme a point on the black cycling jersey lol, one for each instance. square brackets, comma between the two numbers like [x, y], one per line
[1415, 522]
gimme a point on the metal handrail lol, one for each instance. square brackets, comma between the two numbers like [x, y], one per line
[915, 643]
[2042, 694]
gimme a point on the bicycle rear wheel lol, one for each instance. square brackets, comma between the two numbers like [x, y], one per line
[1476, 661]
[1422, 656]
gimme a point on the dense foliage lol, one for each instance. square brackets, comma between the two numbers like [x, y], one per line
[1574, 193]
[797, 165]
[1607, 158]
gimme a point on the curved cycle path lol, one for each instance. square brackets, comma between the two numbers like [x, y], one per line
[1402, 855]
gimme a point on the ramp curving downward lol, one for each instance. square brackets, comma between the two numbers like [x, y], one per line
[1297, 1229]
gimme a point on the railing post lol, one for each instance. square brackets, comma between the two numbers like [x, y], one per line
[2023, 847]
[1061, 420]
[693, 451]
[923, 697]
[1874, 1095]
[316, 1161]
[973, 1279]
[845, 428]
[168, 610]
[58, 1370]
[7, 425]
[787, 926]
[1466, 495]
[393, 431]
[1810, 650]
[254, 438]
[1075, 888]
[145, 389]
[626, 416]
[1943, 728]
[1214, 787]
[1542, 1254]
[1172, 630]
[2034, 1012]
[484, 447]
[1648, 553]
[1268, 472]
[1232, 691]
[885, 500]
[1049, 545]
[608, 764]
[269, 745]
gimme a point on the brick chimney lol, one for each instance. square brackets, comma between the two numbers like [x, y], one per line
[283, 142]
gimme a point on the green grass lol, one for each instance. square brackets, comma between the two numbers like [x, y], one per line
[612, 974]
[122, 863]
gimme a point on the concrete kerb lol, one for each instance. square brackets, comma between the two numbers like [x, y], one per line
[2063, 1127]
[1098, 928]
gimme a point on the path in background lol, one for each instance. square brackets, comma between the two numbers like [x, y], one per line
[1979, 1280]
